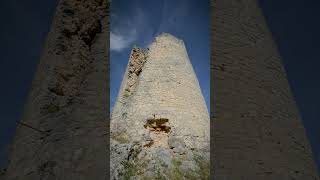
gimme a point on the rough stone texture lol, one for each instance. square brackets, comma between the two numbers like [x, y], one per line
[160, 123]
[256, 130]
[63, 131]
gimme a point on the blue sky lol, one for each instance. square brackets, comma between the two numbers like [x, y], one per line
[137, 22]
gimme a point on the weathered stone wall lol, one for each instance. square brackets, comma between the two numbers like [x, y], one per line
[256, 130]
[160, 123]
[68, 103]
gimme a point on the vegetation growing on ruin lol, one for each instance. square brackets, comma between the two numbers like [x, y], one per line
[52, 108]
[204, 166]
[135, 167]
[121, 138]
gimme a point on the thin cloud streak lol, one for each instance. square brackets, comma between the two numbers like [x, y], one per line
[126, 32]
[118, 42]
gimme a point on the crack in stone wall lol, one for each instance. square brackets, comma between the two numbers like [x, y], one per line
[137, 59]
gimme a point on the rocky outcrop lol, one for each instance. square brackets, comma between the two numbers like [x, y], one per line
[160, 123]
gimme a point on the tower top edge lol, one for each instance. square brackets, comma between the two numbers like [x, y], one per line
[162, 37]
[165, 34]
[168, 37]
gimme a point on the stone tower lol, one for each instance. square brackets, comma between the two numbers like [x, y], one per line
[257, 132]
[160, 123]
[63, 132]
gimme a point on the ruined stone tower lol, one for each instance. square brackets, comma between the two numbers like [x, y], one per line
[160, 123]
[256, 130]
[63, 132]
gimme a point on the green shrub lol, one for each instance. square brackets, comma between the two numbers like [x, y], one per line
[52, 108]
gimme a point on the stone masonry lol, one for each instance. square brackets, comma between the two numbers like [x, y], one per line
[257, 132]
[63, 132]
[160, 123]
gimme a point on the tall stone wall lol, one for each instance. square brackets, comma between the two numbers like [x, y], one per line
[63, 132]
[160, 123]
[256, 130]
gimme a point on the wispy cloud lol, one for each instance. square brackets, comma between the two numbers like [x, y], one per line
[126, 30]
[119, 41]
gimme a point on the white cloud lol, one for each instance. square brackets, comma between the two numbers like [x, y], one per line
[126, 30]
[120, 41]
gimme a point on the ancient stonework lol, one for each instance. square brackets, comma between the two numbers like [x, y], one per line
[257, 132]
[63, 132]
[160, 123]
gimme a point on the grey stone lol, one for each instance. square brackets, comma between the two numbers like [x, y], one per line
[165, 155]
[175, 143]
